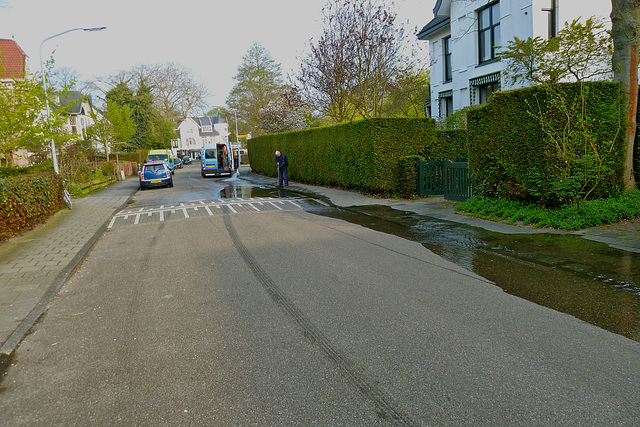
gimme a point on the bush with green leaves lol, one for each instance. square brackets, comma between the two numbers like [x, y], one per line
[27, 200]
[553, 144]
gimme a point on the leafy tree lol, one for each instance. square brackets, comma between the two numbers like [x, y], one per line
[223, 112]
[162, 131]
[625, 19]
[580, 52]
[257, 82]
[123, 127]
[287, 112]
[101, 132]
[407, 93]
[142, 113]
[349, 71]
[19, 126]
[22, 124]
[121, 94]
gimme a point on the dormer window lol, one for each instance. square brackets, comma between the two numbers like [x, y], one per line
[207, 129]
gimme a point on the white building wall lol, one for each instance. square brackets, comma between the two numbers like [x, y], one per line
[518, 18]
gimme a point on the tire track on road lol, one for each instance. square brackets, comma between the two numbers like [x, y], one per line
[386, 407]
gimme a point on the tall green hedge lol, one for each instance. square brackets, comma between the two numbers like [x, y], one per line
[552, 144]
[27, 200]
[450, 145]
[362, 155]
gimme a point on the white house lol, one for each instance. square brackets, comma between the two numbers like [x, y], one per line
[79, 110]
[194, 132]
[463, 36]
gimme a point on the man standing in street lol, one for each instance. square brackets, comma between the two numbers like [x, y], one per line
[283, 166]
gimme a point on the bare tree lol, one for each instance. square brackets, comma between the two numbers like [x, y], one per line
[64, 77]
[176, 92]
[351, 68]
[288, 112]
[625, 19]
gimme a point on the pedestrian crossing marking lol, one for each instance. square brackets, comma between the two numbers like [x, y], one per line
[201, 208]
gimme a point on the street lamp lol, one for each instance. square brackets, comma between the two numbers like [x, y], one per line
[54, 158]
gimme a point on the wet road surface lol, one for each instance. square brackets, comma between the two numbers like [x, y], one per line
[583, 278]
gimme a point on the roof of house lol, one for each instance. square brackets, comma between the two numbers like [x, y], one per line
[206, 121]
[13, 60]
[74, 98]
[435, 25]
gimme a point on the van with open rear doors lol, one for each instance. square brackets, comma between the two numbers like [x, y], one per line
[216, 160]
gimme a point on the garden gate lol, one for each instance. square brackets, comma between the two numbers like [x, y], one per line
[451, 179]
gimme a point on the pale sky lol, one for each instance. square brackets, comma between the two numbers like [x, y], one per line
[210, 37]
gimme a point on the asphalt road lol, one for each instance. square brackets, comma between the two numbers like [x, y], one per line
[258, 313]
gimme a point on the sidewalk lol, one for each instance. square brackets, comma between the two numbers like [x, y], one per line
[35, 265]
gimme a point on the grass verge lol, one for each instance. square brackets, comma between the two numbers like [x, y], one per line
[573, 217]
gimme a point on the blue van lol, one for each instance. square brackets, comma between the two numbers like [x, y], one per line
[216, 160]
[164, 155]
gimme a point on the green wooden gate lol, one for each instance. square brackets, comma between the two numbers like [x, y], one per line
[451, 179]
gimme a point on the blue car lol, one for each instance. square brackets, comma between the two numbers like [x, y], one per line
[155, 174]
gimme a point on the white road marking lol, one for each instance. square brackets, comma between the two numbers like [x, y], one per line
[235, 206]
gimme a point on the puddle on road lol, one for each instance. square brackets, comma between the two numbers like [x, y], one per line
[585, 279]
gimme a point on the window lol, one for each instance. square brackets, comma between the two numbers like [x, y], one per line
[448, 106]
[481, 88]
[485, 91]
[446, 46]
[427, 109]
[207, 128]
[445, 103]
[553, 15]
[488, 31]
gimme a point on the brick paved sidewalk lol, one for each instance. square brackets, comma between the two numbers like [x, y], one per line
[34, 266]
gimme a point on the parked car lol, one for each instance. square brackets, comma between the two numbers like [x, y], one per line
[155, 174]
[186, 160]
[178, 163]
[164, 155]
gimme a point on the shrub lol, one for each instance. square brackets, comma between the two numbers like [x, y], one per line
[27, 200]
[553, 144]
[570, 217]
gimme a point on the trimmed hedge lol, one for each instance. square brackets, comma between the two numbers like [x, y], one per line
[408, 176]
[27, 200]
[362, 155]
[522, 146]
[450, 145]
[42, 167]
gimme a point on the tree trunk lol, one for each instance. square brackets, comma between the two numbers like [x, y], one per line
[625, 19]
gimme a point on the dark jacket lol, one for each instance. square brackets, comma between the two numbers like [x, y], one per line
[282, 161]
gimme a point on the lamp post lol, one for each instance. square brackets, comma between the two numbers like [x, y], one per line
[54, 158]
[235, 112]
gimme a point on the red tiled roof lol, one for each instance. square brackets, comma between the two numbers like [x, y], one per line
[12, 60]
